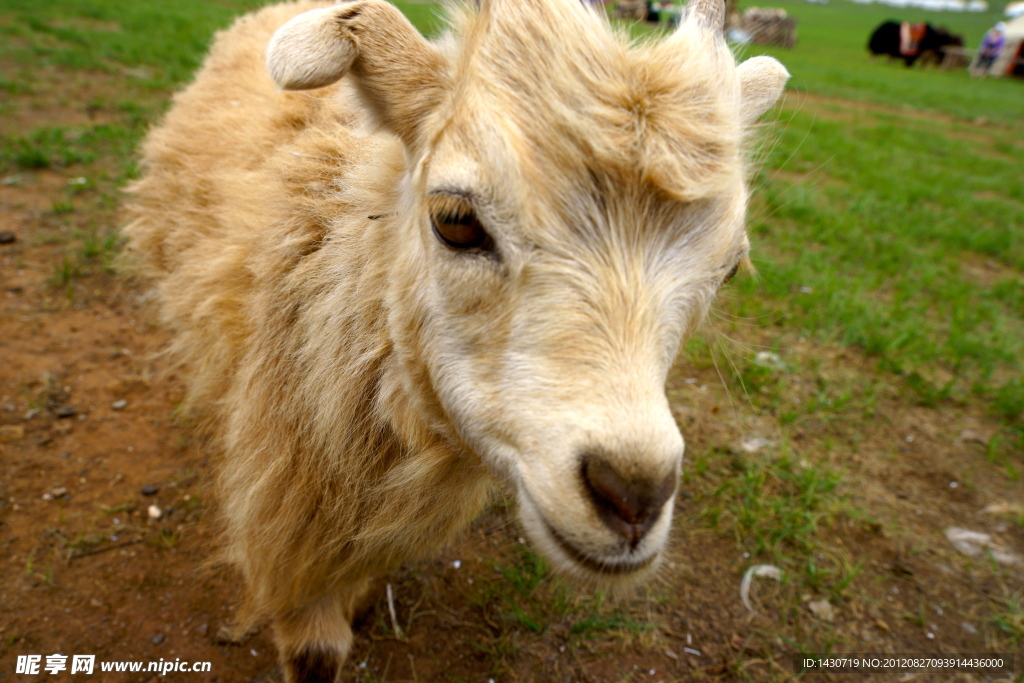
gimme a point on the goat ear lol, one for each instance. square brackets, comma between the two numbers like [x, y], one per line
[761, 82]
[398, 73]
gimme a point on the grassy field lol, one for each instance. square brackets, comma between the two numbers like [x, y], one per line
[858, 395]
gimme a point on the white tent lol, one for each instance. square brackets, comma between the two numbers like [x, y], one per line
[1014, 9]
[1013, 49]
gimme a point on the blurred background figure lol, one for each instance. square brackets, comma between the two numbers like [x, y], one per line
[991, 46]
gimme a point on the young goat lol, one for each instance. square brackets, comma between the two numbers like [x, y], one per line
[448, 264]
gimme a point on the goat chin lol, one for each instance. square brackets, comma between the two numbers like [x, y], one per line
[616, 567]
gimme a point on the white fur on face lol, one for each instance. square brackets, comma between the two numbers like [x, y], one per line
[558, 343]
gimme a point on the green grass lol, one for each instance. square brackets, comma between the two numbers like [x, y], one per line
[163, 42]
[62, 147]
[780, 510]
[1009, 619]
[526, 601]
[876, 244]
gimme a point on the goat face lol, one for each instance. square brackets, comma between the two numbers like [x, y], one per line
[570, 208]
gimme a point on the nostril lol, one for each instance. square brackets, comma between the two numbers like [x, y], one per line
[628, 506]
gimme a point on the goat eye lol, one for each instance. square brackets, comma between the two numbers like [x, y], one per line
[731, 274]
[461, 231]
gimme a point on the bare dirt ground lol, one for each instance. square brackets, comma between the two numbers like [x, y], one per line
[91, 440]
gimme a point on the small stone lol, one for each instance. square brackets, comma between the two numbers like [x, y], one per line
[31, 413]
[822, 609]
[157, 639]
[971, 436]
[7, 237]
[150, 490]
[768, 359]
[975, 543]
[881, 626]
[10, 407]
[970, 543]
[154, 512]
[754, 444]
[119, 405]
[59, 492]
[11, 432]
[1004, 509]
[65, 411]
[968, 627]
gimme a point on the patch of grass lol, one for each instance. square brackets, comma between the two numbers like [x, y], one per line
[1008, 618]
[63, 147]
[100, 248]
[873, 249]
[166, 539]
[1008, 401]
[775, 506]
[529, 602]
[82, 543]
[15, 87]
[498, 650]
[127, 506]
[33, 570]
[65, 272]
[525, 572]
[60, 207]
[600, 622]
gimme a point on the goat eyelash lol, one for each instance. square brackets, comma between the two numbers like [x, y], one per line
[456, 225]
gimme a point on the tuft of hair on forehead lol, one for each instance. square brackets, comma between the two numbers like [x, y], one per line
[582, 95]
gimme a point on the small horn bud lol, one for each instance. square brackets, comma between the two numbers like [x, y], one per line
[710, 14]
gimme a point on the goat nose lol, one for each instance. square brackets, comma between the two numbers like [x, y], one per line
[629, 507]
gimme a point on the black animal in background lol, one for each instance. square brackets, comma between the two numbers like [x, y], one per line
[885, 40]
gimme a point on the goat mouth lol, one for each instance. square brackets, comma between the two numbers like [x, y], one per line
[598, 566]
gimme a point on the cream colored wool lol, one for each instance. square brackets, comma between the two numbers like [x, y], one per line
[369, 385]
